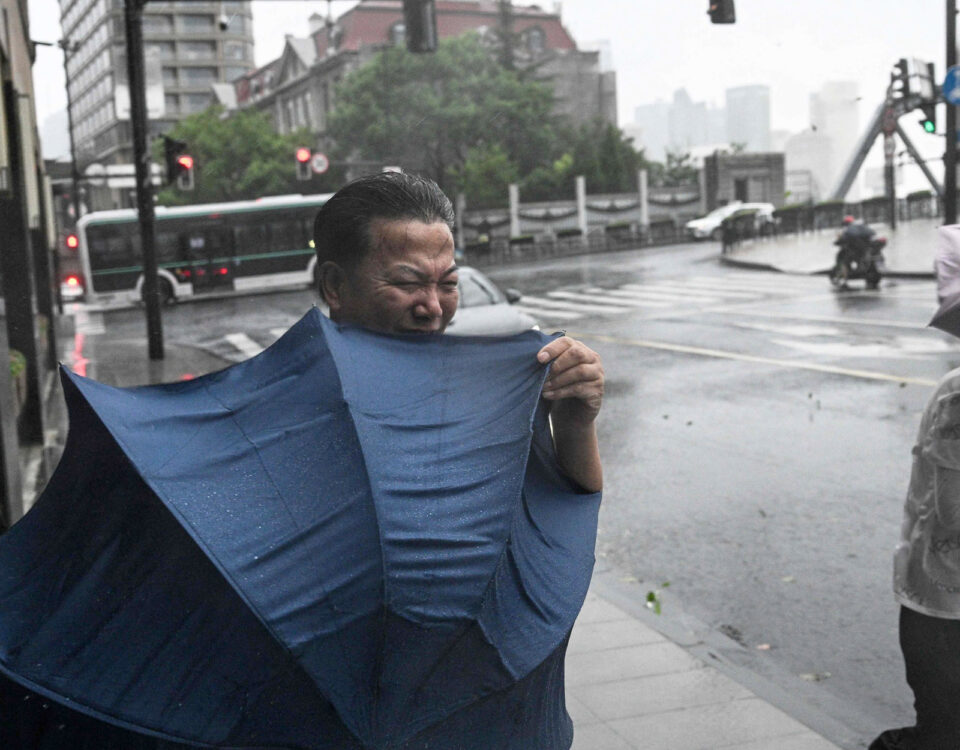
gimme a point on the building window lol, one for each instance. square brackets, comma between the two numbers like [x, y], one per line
[235, 50]
[157, 24]
[197, 50]
[163, 49]
[197, 76]
[232, 73]
[237, 24]
[196, 102]
[171, 103]
[536, 40]
[196, 24]
[169, 76]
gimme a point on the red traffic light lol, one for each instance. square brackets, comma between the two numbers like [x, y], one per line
[185, 161]
[303, 155]
[72, 242]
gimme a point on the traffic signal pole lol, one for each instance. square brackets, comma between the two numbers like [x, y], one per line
[950, 153]
[132, 15]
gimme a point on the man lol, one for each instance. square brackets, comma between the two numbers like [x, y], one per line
[385, 259]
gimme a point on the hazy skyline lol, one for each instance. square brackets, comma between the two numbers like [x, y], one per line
[659, 46]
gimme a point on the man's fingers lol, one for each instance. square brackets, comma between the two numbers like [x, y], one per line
[586, 373]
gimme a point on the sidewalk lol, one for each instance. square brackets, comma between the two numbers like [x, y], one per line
[909, 251]
[634, 679]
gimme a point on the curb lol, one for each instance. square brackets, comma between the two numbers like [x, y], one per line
[760, 266]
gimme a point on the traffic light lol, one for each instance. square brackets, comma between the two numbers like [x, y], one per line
[185, 165]
[304, 155]
[420, 25]
[179, 163]
[722, 11]
[72, 242]
[929, 119]
[900, 77]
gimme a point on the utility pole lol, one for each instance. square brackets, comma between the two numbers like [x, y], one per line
[950, 153]
[132, 16]
[69, 47]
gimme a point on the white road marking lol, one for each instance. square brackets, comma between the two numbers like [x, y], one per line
[543, 312]
[787, 363]
[246, 345]
[553, 304]
[599, 299]
[682, 290]
[654, 295]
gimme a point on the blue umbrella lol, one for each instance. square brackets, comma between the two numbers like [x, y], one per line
[352, 540]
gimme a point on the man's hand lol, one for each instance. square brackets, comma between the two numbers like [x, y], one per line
[575, 388]
[576, 373]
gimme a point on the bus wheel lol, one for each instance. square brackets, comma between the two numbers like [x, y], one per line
[167, 296]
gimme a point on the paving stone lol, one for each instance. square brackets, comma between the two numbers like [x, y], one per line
[806, 741]
[579, 712]
[599, 737]
[658, 693]
[710, 727]
[598, 636]
[586, 668]
[596, 609]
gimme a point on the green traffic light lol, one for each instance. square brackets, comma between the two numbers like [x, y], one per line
[929, 126]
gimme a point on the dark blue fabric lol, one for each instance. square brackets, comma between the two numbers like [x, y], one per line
[351, 540]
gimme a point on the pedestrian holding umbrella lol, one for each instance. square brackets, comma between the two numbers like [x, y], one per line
[352, 540]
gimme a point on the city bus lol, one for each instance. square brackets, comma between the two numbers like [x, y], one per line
[202, 249]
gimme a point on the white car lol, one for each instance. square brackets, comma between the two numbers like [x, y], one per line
[709, 226]
[486, 311]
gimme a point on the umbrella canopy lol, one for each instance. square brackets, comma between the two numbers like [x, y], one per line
[947, 317]
[352, 540]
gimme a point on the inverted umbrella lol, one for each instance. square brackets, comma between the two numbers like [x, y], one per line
[947, 316]
[351, 540]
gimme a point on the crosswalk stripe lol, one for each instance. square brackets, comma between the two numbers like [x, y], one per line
[593, 298]
[655, 295]
[556, 304]
[538, 312]
[761, 288]
[681, 290]
[244, 344]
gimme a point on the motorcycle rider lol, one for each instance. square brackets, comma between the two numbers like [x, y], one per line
[854, 240]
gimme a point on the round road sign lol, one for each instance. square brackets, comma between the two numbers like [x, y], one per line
[319, 163]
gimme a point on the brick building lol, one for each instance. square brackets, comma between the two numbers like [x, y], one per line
[298, 88]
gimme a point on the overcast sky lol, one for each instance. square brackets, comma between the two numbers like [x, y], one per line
[661, 45]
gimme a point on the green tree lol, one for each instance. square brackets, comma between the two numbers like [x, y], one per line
[485, 176]
[677, 171]
[597, 150]
[238, 158]
[430, 113]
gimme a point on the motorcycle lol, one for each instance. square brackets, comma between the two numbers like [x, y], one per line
[858, 260]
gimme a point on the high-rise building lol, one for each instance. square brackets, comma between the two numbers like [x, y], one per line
[187, 46]
[835, 114]
[679, 126]
[748, 117]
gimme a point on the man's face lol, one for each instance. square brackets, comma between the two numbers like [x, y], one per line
[406, 283]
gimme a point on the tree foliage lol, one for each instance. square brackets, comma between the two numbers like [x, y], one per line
[240, 157]
[462, 119]
[432, 113]
[677, 171]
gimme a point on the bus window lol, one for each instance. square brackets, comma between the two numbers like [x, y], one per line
[250, 239]
[168, 244]
[285, 235]
[112, 247]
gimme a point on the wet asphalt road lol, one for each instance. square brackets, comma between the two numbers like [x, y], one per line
[756, 436]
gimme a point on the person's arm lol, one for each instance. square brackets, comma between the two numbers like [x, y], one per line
[575, 390]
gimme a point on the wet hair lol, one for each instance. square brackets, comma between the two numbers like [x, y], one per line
[341, 230]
